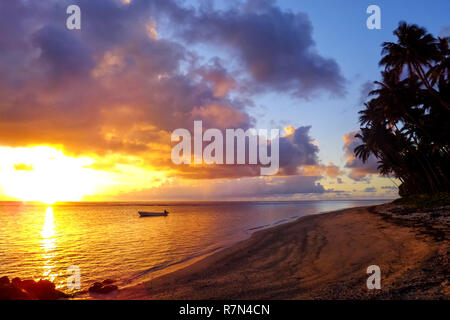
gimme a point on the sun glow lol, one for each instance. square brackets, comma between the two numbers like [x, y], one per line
[46, 175]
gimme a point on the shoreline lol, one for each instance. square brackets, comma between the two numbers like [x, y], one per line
[321, 256]
[222, 246]
[173, 267]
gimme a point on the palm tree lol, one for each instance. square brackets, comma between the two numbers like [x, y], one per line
[440, 72]
[416, 50]
[405, 124]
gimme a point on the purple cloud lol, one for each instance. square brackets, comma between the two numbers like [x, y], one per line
[245, 188]
[274, 46]
[359, 171]
[110, 87]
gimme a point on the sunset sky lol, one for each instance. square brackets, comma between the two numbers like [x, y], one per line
[88, 114]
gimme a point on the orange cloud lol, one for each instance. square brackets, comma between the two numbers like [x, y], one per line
[331, 170]
[115, 94]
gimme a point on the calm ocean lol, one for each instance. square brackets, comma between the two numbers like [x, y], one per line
[110, 240]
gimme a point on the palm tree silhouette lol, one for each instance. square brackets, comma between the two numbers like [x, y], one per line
[405, 124]
[415, 49]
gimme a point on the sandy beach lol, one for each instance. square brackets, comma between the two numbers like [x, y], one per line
[316, 257]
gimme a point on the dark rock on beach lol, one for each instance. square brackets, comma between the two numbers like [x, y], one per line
[4, 280]
[108, 281]
[96, 287]
[19, 289]
[109, 288]
[103, 287]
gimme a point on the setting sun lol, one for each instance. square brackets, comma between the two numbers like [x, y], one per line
[46, 175]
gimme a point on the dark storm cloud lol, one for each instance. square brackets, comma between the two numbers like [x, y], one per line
[275, 46]
[297, 149]
[62, 54]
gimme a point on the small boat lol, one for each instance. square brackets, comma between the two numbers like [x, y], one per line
[153, 214]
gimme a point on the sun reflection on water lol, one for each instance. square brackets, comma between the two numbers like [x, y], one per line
[48, 245]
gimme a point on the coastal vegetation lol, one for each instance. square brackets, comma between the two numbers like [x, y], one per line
[406, 122]
[439, 199]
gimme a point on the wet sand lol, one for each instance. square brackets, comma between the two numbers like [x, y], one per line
[315, 257]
